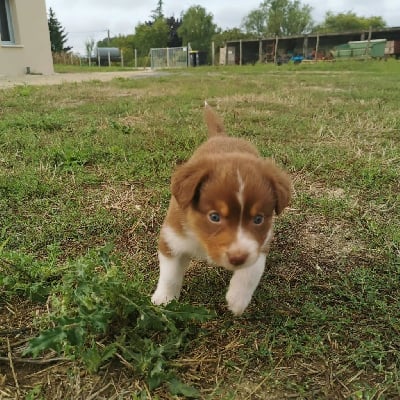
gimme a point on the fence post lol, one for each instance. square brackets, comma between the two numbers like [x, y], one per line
[367, 49]
[167, 57]
[151, 58]
[276, 48]
[305, 46]
[122, 58]
[109, 58]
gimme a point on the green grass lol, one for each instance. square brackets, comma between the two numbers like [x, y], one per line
[84, 166]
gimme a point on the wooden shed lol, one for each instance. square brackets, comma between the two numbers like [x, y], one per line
[309, 46]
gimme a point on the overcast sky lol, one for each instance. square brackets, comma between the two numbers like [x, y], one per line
[86, 19]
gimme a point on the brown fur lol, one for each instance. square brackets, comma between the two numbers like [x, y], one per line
[209, 181]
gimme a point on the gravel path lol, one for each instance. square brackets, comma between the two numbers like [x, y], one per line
[56, 79]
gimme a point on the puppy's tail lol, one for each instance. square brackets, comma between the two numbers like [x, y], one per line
[214, 123]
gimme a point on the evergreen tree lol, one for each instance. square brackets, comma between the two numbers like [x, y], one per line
[174, 40]
[158, 12]
[58, 37]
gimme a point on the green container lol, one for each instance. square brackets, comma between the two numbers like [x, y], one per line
[371, 48]
[375, 48]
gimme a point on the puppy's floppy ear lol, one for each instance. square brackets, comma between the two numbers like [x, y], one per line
[186, 181]
[281, 185]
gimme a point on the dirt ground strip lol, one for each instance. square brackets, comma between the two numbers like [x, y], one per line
[57, 79]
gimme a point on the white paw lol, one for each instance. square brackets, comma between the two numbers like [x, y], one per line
[162, 297]
[237, 302]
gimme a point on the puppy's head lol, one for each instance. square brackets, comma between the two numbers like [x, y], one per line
[229, 201]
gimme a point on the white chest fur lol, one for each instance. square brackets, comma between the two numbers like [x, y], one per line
[186, 244]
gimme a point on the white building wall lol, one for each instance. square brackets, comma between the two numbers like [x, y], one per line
[31, 48]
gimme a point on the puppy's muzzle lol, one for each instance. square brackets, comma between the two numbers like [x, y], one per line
[237, 258]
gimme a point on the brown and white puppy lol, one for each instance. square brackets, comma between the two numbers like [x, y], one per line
[221, 210]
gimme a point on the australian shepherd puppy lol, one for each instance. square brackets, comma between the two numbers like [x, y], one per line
[221, 210]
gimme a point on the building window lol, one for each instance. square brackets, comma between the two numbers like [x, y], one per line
[6, 31]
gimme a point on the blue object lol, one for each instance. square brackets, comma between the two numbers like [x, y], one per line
[297, 59]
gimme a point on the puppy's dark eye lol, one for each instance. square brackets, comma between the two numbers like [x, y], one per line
[214, 217]
[258, 219]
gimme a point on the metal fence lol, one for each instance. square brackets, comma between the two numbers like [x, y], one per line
[170, 57]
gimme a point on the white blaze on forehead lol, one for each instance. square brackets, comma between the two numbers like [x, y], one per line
[240, 193]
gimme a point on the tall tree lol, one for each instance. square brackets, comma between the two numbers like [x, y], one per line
[230, 34]
[158, 12]
[174, 40]
[89, 46]
[197, 28]
[349, 21]
[279, 17]
[255, 22]
[151, 35]
[58, 37]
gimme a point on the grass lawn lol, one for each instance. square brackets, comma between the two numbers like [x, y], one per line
[84, 186]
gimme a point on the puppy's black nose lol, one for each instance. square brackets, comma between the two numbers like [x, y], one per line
[237, 258]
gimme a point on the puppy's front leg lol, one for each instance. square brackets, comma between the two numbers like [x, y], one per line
[243, 284]
[172, 270]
